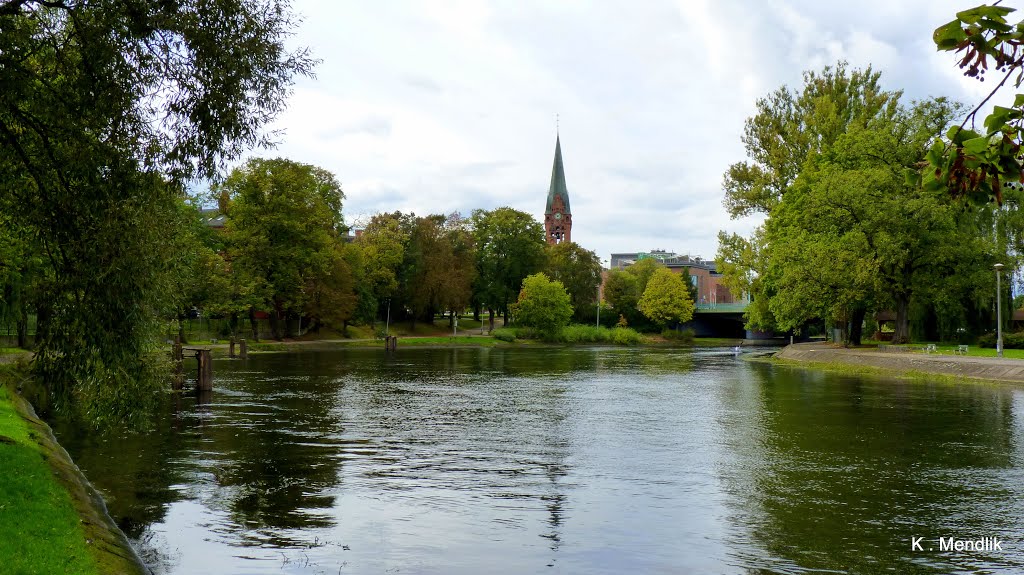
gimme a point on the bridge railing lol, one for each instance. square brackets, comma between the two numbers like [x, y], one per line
[723, 307]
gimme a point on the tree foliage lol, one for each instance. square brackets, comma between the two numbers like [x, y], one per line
[510, 246]
[106, 108]
[543, 304]
[283, 224]
[848, 233]
[666, 300]
[579, 270]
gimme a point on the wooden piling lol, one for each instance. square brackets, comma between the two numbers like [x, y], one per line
[244, 349]
[231, 348]
[390, 342]
[178, 377]
[204, 380]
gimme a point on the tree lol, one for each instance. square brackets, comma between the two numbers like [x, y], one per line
[510, 246]
[383, 245]
[666, 300]
[107, 108]
[621, 291]
[691, 286]
[283, 224]
[790, 130]
[579, 270]
[642, 271]
[543, 304]
[441, 274]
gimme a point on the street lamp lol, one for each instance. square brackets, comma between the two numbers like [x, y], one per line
[999, 313]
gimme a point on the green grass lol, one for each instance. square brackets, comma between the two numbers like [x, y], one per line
[716, 341]
[41, 530]
[476, 340]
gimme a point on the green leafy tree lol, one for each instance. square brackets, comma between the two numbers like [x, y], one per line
[441, 275]
[622, 292]
[383, 246]
[691, 286]
[283, 224]
[579, 270]
[106, 109]
[543, 304]
[666, 300]
[510, 246]
[642, 271]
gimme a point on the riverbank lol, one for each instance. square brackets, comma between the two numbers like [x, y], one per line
[51, 518]
[826, 356]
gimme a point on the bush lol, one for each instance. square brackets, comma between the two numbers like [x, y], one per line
[1010, 340]
[679, 335]
[505, 334]
[583, 334]
[626, 336]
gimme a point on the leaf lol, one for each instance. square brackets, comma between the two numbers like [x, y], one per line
[976, 145]
[949, 36]
[976, 14]
[959, 135]
[912, 177]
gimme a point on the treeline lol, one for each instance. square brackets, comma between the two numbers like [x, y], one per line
[849, 229]
[286, 251]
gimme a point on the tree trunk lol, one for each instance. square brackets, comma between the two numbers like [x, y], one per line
[23, 327]
[902, 331]
[490, 311]
[476, 313]
[253, 324]
[275, 322]
[857, 325]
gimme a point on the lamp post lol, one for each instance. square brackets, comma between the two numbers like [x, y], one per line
[999, 313]
[387, 323]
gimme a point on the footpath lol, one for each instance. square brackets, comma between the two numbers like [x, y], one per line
[902, 363]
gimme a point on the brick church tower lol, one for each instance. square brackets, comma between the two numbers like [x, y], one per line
[557, 217]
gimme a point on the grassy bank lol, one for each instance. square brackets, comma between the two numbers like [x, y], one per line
[859, 370]
[42, 531]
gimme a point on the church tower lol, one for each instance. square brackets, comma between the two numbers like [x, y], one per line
[557, 217]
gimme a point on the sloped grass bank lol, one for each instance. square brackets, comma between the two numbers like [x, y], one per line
[51, 521]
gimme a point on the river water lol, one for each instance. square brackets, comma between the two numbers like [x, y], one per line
[565, 460]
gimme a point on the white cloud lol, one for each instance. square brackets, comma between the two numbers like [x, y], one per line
[439, 106]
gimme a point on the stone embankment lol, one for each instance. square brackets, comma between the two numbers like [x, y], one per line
[901, 363]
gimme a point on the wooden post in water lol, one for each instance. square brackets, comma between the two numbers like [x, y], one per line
[390, 342]
[178, 377]
[244, 349]
[231, 348]
[205, 379]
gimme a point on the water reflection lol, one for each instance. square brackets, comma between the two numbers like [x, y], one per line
[838, 473]
[564, 460]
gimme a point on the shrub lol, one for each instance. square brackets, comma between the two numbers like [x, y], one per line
[505, 334]
[626, 336]
[1010, 340]
[680, 335]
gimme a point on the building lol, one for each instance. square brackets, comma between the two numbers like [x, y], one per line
[557, 215]
[703, 273]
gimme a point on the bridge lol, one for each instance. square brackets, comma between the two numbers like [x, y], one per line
[719, 320]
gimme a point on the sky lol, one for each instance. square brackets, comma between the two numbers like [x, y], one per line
[437, 106]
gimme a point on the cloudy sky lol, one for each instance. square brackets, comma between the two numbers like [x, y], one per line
[441, 106]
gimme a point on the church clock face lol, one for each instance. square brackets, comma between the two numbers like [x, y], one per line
[558, 215]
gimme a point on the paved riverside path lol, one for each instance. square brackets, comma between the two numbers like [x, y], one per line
[987, 368]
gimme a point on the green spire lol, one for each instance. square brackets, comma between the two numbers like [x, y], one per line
[558, 188]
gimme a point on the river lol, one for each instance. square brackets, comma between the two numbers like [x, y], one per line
[565, 460]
